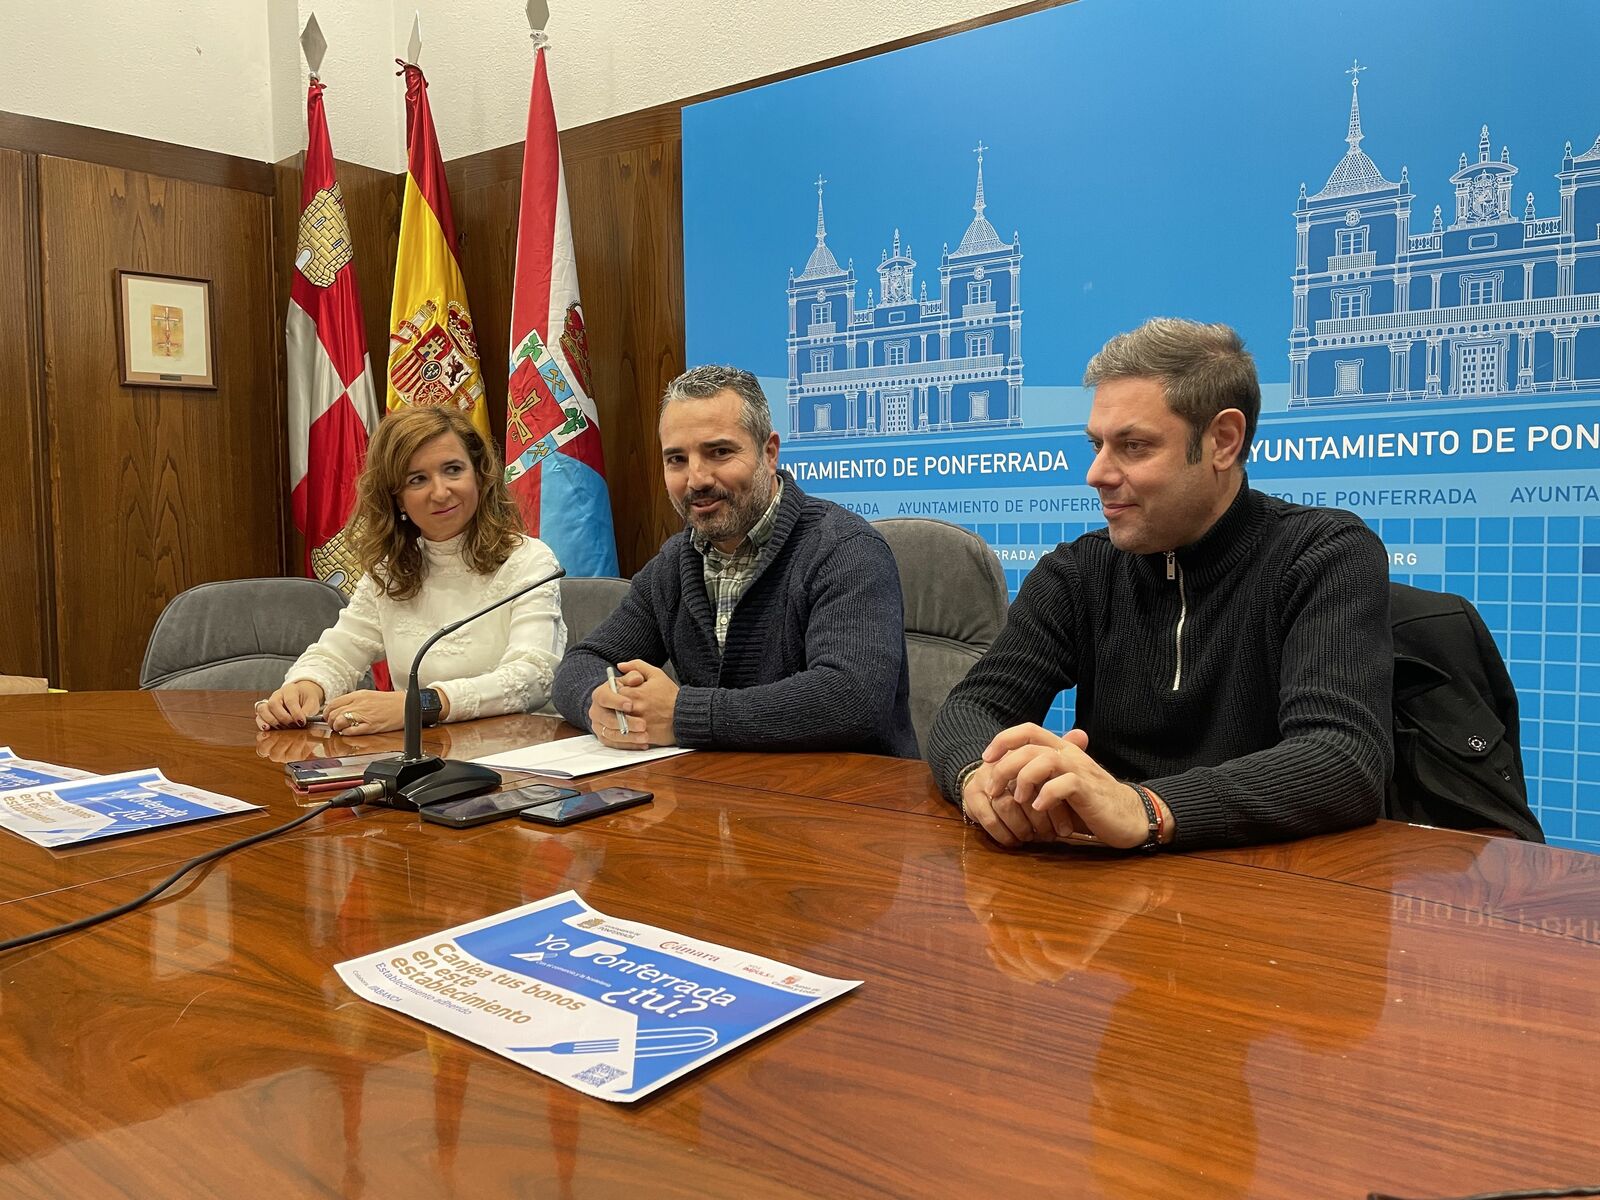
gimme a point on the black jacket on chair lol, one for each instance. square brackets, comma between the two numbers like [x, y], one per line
[1457, 755]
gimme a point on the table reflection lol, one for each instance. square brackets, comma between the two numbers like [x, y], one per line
[1197, 995]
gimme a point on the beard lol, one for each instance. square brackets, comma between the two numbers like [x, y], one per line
[738, 515]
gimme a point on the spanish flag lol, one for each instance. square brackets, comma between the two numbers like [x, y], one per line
[433, 350]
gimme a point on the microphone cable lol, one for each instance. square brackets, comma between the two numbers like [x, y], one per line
[348, 798]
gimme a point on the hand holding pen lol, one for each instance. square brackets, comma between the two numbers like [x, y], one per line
[622, 717]
[634, 709]
[609, 707]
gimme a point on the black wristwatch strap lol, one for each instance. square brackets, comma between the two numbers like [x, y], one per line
[428, 699]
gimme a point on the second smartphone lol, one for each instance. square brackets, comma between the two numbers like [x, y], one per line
[582, 807]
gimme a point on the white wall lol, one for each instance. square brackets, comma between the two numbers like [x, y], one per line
[187, 71]
[617, 56]
[227, 75]
[365, 100]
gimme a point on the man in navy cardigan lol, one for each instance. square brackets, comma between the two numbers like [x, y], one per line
[780, 612]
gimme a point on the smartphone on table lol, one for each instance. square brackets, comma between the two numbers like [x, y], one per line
[479, 810]
[331, 774]
[581, 807]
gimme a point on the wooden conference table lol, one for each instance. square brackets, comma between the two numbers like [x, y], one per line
[1396, 1009]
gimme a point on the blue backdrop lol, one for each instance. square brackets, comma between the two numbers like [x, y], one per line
[1397, 205]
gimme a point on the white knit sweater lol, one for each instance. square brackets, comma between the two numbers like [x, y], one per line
[502, 662]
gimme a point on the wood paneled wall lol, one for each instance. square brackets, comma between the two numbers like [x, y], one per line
[153, 489]
[126, 496]
[135, 494]
[26, 639]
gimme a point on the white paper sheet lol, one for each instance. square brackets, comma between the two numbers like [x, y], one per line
[573, 758]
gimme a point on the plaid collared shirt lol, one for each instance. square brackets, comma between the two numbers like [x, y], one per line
[728, 576]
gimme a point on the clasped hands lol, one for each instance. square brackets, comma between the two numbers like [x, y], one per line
[647, 696]
[1033, 786]
[358, 712]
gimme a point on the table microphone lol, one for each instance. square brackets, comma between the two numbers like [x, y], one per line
[414, 780]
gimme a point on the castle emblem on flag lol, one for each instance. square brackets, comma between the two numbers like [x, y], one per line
[322, 245]
[334, 562]
[436, 363]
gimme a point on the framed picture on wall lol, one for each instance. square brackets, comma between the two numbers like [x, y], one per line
[164, 331]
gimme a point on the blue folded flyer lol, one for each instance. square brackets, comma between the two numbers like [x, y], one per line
[56, 806]
[613, 1008]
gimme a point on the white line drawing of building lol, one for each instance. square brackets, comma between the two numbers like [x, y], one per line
[1494, 304]
[906, 364]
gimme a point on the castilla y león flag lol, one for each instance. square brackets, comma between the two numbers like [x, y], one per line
[433, 350]
[554, 463]
[332, 406]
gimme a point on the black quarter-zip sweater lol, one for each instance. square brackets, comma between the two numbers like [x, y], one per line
[1245, 678]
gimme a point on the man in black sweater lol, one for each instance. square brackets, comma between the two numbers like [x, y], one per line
[1231, 652]
[781, 612]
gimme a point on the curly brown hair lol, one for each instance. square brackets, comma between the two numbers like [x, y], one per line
[388, 549]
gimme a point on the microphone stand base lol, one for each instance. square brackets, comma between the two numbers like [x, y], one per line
[413, 784]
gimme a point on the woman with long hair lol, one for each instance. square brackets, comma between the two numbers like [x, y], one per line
[437, 536]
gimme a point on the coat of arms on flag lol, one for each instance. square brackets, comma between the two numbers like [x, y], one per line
[334, 562]
[539, 399]
[433, 361]
[322, 241]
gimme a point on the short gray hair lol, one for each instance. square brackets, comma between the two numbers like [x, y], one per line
[701, 383]
[1203, 369]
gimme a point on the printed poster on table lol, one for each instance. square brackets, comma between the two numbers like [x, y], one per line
[89, 809]
[613, 1008]
[18, 772]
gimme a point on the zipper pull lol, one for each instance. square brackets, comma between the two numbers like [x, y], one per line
[1172, 565]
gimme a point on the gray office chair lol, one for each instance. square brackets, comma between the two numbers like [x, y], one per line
[239, 634]
[955, 601]
[587, 602]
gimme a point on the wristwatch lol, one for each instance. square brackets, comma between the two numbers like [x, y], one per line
[432, 706]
